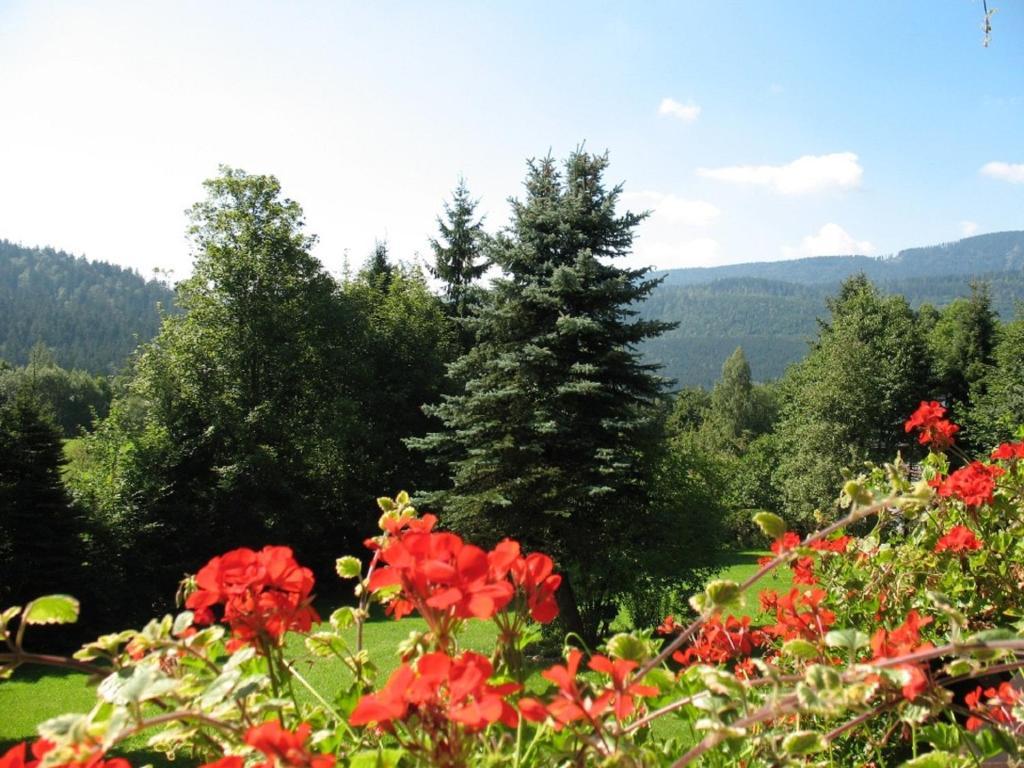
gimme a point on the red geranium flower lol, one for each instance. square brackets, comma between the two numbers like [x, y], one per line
[997, 706]
[571, 703]
[84, 756]
[624, 693]
[719, 641]
[1009, 451]
[284, 748]
[438, 685]
[668, 626]
[798, 614]
[264, 594]
[935, 430]
[959, 539]
[973, 484]
[534, 575]
[903, 640]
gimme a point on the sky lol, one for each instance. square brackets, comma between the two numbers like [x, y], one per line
[752, 131]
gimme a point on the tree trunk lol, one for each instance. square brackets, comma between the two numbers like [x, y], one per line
[569, 611]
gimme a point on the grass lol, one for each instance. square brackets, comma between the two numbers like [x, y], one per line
[741, 565]
[33, 694]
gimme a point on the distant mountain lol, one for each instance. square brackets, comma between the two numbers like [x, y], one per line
[92, 314]
[995, 252]
[771, 308]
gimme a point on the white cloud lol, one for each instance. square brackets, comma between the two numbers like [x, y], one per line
[968, 228]
[674, 234]
[1011, 172]
[810, 173]
[830, 240]
[670, 209]
[685, 112]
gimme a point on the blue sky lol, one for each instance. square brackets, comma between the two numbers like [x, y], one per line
[757, 130]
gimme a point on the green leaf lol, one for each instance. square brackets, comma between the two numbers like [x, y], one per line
[942, 736]
[850, 639]
[722, 593]
[382, 758]
[182, 622]
[772, 525]
[937, 759]
[804, 743]
[132, 685]
[385, 504]
[626, 646]
[348, 567]
[326, 644]
[343, 618]
[51, 609]
[799, 648]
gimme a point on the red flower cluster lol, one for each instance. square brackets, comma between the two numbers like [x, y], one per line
[903, 640]
[1009, 451]
[445, 579]
[281, 747]
[533, 575]
[668, 626]
[264, 593]
[15, 757]
[959, 539]
[454, 688]
[997, 707]
[571, 704]
[838, 545]
[803, 567]
[717, 642]
[935, 430]
[284, 748]
[974, 484]
[791, 622]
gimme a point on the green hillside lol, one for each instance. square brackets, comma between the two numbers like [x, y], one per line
[771, 308]
[91, 314]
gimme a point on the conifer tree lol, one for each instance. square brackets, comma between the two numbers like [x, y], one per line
[961, 343]
[39, 548]
[548, 441]
[379, 271]
[458, 253]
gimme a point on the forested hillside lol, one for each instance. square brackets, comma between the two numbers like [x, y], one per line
[91, 314]
[994, 252]
[771, 308]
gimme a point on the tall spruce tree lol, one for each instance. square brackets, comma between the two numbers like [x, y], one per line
[379, 271]
[40, 551]
[458, 254]
[549, 439]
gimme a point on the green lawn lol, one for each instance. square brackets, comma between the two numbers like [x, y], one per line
[741, 565]
[33, 695]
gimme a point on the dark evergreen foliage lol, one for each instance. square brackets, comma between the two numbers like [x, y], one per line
[549, 440]
[458, 254]
[41, 551]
